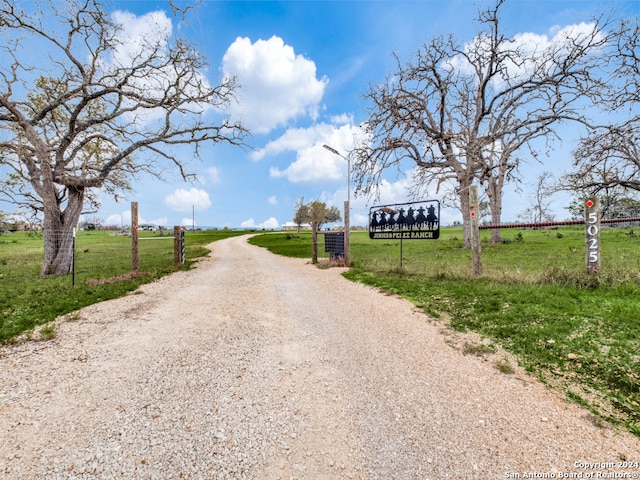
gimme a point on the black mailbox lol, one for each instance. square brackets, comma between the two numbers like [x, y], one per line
[334, 244]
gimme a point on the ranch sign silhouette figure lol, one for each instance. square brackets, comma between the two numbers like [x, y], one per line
[413, 220]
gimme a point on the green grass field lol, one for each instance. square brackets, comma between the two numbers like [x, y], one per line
[578, 333]
[28, 300]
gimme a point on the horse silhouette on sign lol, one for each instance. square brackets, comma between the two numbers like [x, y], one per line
[383, 219]
[431, 217]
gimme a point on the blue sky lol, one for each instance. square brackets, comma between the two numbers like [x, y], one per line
[303, 67]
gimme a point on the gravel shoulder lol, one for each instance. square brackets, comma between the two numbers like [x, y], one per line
[263, 367]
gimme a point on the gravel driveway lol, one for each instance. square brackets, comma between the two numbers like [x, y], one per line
[263, 367]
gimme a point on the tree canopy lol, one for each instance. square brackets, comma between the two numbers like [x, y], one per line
[95, 108]
[464, 113]
[608, 157]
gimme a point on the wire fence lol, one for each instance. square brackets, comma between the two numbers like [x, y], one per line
[98, 255]
[552, 249]
[617, 244]
[103, 255]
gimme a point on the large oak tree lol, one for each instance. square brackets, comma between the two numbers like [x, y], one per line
[463, 112]
[84, 107]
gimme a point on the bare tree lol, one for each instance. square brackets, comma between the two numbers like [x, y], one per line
[300, 213]
[93, 109]
[539, 202]
[617, 204]
[500, 168]
[460, 113]
[607, 160]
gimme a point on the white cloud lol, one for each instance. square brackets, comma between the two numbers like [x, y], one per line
[185, 200]
[296, 139]
[536, 52]
[343, 118]
[394, 192]
[159, 221]
[122, 220]
[138, 34]
[276, 85]
[273, 200]
[313, 162]
[213, 173]
[147, 37]
[270, 223]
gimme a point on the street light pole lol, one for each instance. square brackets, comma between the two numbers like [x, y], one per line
[347, 207]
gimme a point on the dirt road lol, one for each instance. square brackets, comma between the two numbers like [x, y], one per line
[262, 367]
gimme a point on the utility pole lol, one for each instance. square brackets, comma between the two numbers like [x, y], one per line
[347, 208]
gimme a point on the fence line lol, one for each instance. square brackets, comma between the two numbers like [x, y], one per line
[556, 224]
[99, 255]
[104, 254]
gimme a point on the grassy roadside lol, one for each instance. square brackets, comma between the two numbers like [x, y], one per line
[27, 300]
[579, 334]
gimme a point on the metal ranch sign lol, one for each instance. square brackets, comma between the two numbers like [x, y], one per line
[405, 221]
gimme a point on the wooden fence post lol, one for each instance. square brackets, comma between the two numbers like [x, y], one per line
[135, 258]
[476, 252]
[177, 250]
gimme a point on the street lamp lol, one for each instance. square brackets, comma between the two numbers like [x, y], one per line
[347, 207]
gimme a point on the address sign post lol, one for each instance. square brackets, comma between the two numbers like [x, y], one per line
[592, 222]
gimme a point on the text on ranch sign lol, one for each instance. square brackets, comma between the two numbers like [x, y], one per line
[413, 220]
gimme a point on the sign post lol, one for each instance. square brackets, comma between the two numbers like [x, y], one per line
[476, 252]
[592, 222]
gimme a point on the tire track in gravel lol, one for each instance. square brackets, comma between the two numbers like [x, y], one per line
[262, 367]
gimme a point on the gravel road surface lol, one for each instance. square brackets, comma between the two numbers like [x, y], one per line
[255, 366]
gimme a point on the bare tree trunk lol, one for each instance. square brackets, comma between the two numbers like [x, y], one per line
[58, 234]
[495, 177]
[466, 226]
[464, 182]
[495, 205]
